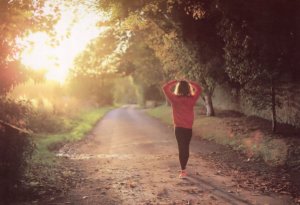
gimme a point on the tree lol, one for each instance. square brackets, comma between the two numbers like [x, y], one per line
[125, 91]
[169, 28]
[17, 19]
[100, 56]
[259, 47]
[96, 89]
[95, 69]
[199, 33]
[140, 62]
[250, 44]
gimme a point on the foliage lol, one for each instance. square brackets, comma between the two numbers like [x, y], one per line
[112, 55]
[92, 76]
[153, 93]
[77, 127]
[17, 18]
[119, 9]
[258, 48]
[47, 96]
[125, 92]
[140, 62]
[42, 120]
[96, 89]
[23, 114]
[244, 43]
[255, 39]
[167, 28]
[45, 163]
[14, 112]
[240, 136]
[100, 56]
[16, 148]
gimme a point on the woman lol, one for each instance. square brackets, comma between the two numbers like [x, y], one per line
[183, 101]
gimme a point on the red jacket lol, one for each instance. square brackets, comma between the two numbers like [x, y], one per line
[182, 106]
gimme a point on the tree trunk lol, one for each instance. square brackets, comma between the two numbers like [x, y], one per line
[209, 105]
[274, 119]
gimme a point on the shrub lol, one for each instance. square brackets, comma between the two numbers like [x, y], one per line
[43, 121]
[16, 148]
[14, 112]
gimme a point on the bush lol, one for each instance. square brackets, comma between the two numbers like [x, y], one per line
[16, 148]
[23, 114]
[14, 112]
[43, 121]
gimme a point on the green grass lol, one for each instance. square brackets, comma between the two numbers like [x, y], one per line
[76, 129]
[210, 128]
[273, 151]
[164, 113]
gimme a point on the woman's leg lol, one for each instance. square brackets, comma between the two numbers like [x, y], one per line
[183, 136]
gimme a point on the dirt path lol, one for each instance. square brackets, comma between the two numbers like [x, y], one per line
[130, 158]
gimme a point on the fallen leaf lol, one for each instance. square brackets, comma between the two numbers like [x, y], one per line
[132, 185]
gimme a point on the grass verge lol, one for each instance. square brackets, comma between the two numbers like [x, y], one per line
[235, 132]
[76, 128]
[162, 113]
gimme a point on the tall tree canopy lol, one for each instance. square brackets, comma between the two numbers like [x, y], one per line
[250, 44]
[260, 39]
[17, 19]
[171, 32]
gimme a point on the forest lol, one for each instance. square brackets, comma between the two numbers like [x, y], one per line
[62, 65]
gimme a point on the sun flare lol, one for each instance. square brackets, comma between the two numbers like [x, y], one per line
[56, 54]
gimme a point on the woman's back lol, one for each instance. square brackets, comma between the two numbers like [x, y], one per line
[183, 111]
[182, 106]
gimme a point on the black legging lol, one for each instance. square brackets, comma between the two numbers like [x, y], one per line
[183, 136]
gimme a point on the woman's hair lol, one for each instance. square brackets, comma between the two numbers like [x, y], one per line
[183, 88]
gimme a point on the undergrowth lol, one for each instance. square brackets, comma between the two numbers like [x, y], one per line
[233, 131]
[75, 128]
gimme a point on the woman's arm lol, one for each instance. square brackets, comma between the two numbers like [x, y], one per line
[197, 89]
[167, 89]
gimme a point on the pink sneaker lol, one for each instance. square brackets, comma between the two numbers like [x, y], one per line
[182, 174]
